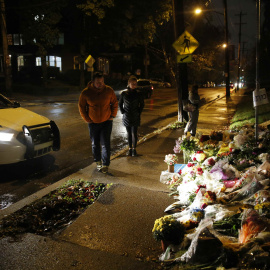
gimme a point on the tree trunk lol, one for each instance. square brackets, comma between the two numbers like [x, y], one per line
[6, 62]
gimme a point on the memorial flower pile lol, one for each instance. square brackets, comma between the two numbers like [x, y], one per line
[228, 170]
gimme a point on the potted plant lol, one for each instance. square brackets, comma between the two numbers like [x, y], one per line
[171, 159]
[169, 231]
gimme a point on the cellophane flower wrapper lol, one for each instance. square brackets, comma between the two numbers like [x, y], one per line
[245, 178]
[261, 196]
[189, 254]
[240, 139]
[217, 212]
[252, 225]
[263, 157]
[248, 190]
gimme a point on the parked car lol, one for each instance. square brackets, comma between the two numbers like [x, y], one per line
[145, 86]
[24, 134]
[160, 83]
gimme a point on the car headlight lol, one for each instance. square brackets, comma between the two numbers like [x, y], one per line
[5, 136]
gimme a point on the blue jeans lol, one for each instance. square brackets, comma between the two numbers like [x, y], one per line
[100, 135]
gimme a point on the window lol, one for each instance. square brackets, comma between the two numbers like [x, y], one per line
[20, 62]
[51, 61]
[103, 65]
[15, 39]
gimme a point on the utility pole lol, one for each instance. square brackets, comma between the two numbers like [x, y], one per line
[258, 40]
[227, 60]
[239, 49]
[6, 59]
[181, 69]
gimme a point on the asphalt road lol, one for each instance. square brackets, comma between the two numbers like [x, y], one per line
[25, 178]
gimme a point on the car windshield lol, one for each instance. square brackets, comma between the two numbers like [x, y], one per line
[5, 103]
[143, 83]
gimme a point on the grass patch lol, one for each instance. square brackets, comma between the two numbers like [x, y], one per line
[245, 114]
[54, 211]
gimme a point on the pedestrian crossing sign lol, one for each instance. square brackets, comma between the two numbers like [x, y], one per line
[186, 44]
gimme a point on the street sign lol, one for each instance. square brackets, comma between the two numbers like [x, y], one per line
[90, 61]
[184, 58]
[260, 97]
[186, 44]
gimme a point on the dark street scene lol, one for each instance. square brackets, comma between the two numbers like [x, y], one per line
[134, 134]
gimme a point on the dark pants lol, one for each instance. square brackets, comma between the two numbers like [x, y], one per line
[132, 136]
[100, 135]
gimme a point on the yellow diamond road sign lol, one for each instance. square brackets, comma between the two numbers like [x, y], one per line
[90, 61]
[186, 44]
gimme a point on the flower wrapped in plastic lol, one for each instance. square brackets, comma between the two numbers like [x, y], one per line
[186, 143]
[209, 162]
[169, 229]
[199, 156]
[252, 225]
[171, 159]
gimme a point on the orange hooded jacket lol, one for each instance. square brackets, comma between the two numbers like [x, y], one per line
[97, 105]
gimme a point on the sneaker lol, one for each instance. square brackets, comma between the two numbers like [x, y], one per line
[129, 152]
[134, 152]
[99, 165]
[104, 169]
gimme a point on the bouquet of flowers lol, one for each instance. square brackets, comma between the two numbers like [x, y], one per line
[171, 159]
[186, 144]
[169, 229]
[199, 156]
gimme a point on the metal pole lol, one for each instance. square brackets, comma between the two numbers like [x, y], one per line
[258, 38]
[227, 60]
[239, 53]
[181, 69]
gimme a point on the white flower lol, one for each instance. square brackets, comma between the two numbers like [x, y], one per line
[171, 159]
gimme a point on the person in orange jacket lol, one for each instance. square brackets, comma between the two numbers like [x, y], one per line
[98, 106]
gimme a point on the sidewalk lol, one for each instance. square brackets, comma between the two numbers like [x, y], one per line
[116, 231]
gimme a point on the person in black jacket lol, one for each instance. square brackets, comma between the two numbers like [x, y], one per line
[194, 99]
[131, 104]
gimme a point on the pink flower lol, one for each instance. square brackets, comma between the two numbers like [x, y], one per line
[180, 172]
[194, 159]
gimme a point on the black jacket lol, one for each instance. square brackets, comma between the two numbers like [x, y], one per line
[131, 104]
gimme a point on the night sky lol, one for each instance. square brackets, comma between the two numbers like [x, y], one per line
[247, 7]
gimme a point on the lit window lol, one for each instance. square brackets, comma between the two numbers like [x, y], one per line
[20, 62]
[38, 61]
[16, 39]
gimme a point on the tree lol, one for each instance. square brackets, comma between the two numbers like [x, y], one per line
[6, 58]
[39, 26]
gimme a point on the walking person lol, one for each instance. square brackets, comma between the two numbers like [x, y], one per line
[98, 106]
[131, 104]
[193, 116]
